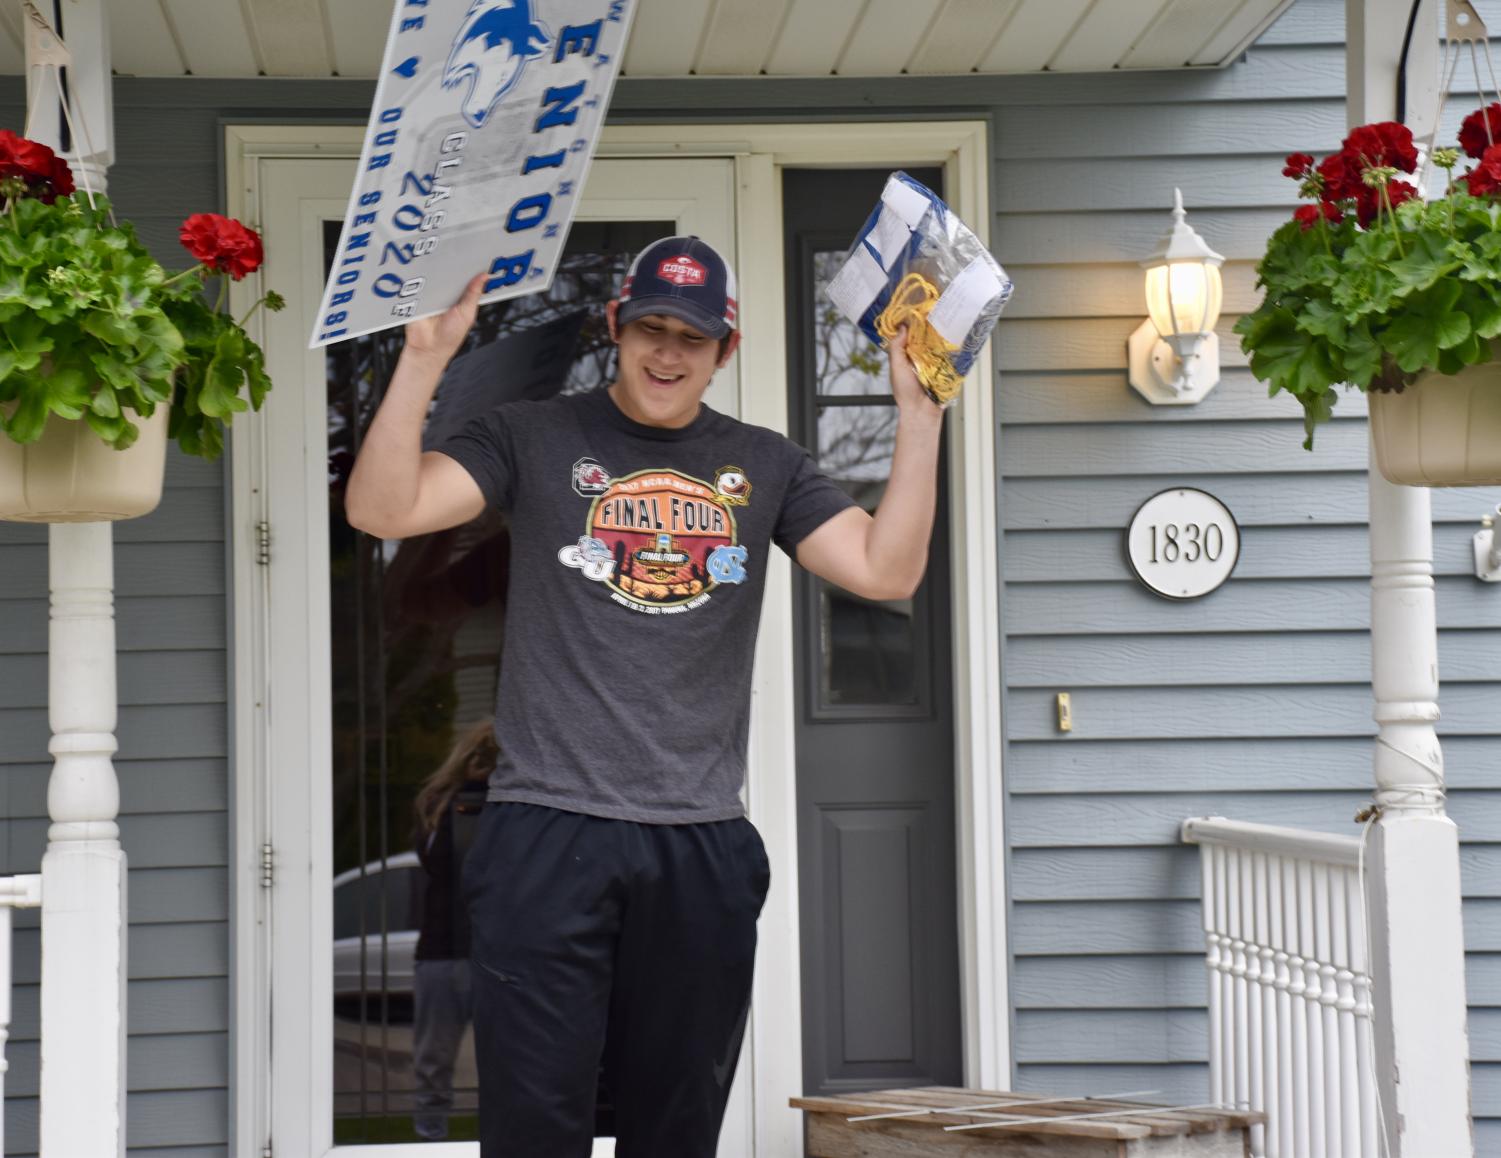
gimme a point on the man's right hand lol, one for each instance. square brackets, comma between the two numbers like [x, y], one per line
[411, 493]
[439, 337]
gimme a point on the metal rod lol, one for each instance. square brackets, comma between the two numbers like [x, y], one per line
[997, 1105]
[1086, 1117]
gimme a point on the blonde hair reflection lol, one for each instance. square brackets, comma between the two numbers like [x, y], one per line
[472, 757]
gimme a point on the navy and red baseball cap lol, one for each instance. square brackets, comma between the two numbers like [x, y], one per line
[684, 278]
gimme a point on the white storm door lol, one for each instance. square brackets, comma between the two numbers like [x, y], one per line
[329, 734]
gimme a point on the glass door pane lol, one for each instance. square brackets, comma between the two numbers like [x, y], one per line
[871, 654]
[417, 627]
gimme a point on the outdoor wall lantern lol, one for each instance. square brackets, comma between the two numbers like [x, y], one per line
[1174, 356]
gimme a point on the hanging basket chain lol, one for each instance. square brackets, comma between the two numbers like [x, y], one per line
[48, 55]
[1464, 27]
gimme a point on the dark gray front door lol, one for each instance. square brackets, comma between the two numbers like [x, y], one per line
[875, 772]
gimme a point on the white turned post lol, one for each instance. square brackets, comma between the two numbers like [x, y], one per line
[1281, 1036]
[1418, 977]
[1211, 922]
[1297, 989]
[83, 870]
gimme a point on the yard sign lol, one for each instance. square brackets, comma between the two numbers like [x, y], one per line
[485, 117]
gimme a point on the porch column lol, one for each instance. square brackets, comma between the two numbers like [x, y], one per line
[83, 869]
[1418, 966]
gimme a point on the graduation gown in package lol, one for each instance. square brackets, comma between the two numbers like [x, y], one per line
[915, 263]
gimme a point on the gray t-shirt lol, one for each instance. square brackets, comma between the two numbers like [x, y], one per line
[638, 561]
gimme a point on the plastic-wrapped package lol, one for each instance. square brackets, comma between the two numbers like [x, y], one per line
[915, 263]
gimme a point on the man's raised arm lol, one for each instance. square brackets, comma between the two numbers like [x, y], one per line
[395, 491]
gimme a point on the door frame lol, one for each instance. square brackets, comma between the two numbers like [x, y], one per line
[775, 1060]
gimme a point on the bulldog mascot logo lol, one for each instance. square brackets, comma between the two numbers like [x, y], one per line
[490, 52]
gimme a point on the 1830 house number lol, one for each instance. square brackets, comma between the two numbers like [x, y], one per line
[1208, 543]
[1182, 543]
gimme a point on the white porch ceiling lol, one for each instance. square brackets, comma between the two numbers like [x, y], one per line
[679, 38]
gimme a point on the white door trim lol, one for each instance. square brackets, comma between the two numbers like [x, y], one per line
[776, 1061]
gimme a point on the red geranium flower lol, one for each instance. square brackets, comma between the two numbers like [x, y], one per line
[61, 178]
[1341, 177]
[222, 243]
[22, 158]
[45, 174]
[8, 145]
[34, 159]
[1308, 215]
[1484, 179]
[1382, 144]
[1399, 191]
[1298, 166]
[1368, 201]
[1473, 138]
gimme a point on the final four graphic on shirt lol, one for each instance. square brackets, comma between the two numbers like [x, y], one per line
[659, 539]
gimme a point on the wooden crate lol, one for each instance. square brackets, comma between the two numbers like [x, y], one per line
[1180, 1134]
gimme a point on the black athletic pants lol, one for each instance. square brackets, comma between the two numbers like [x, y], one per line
[607, 941]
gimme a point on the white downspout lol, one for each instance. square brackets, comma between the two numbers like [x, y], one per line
[1413, 885]
[83, 870]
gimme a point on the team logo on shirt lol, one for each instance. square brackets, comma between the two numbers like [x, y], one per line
[589, 478]
[590, 556]
[732, 486]
[661, 541]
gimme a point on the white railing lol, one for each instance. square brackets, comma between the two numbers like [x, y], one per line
[1289, 986]
[15, 893]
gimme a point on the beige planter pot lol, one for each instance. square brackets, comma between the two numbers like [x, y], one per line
[70, 476]
[1442, 431]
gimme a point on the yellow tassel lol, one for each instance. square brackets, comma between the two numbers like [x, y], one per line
[910, 304]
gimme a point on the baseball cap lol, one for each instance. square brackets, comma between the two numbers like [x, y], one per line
[684, 278]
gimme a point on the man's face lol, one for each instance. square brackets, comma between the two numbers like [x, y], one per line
[665, 367]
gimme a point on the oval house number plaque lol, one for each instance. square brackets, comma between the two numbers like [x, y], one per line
[1182, 543]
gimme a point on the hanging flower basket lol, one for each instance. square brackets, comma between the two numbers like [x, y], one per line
[106, 356]
[1372, 287]
[69, 475]
[1444, 430]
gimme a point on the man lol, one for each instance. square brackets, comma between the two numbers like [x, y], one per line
[614, 883]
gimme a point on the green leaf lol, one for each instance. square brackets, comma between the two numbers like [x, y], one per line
[1362, 356]
[1484, 311]
[1411, 341]
[1317, 408]
[29, 417]
[104, 403]
[17, 290]
[1295, 363]
[68, 390]
[111, 329]
[1451, 328]
[1427, 259]
[1320, 317]
[1428, 323]
[107, 427]
[219, 396]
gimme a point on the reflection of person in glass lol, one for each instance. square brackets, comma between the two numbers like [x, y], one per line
[447, 807]
[615, 883]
